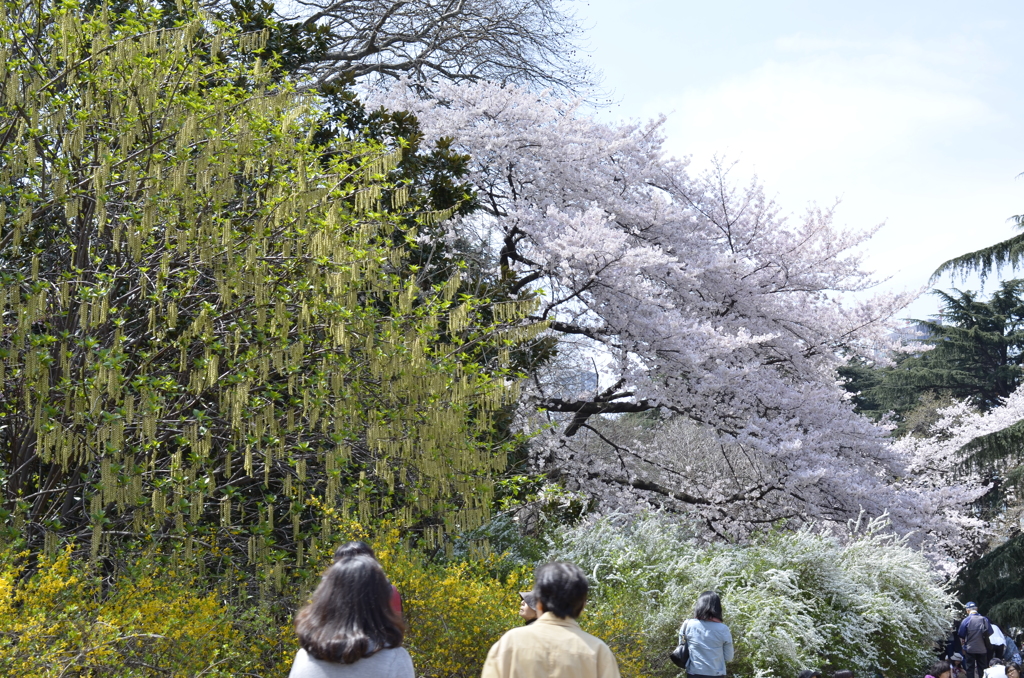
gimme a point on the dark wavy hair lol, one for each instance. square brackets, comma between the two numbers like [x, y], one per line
[708, 605]
[561, 588]
[353, 548]
[939, 667]
[349, 616]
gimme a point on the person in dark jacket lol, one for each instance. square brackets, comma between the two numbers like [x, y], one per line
[1010, 652]
[953, 645]
[974, 632]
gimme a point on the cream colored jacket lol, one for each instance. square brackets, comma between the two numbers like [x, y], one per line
[550, 648]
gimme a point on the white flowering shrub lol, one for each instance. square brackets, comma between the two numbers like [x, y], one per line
[792, 600]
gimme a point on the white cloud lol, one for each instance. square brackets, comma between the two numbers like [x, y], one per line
[839, 103]
[905, 132]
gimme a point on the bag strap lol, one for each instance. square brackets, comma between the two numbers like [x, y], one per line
[682, 632]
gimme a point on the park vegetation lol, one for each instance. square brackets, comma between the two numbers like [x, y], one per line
[270, 282]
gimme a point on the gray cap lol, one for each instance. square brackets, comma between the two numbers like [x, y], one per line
[529, 599]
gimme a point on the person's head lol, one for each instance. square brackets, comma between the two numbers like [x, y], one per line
[1012, 670]
[845, 673]
[994, 662]
[809, 673]
[349, 616]
[956, 659]
[527, 605]
[708, 606]
[353, 548]
[971, 607]
[940, 669]
[561, 589]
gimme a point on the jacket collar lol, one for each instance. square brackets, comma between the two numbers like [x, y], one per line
[550, 618]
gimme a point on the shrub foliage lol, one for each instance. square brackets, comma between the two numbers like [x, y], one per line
[792, 599]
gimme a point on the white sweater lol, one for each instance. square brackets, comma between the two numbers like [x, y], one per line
[393, 663]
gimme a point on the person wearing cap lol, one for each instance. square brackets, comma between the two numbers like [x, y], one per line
[554, 646]
[974, 634]
[528, 607]
[956, 668]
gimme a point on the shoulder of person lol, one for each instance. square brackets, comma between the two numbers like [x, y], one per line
[513, 636]
[398, 661]
[398, 653]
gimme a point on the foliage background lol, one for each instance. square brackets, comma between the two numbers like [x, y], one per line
[792, 600]
[229, 330]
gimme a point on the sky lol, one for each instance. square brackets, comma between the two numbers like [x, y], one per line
[908, 113]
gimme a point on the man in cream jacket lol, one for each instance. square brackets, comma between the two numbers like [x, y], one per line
[554, 646]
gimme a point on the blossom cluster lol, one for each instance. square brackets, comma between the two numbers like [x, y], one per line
[691, 297]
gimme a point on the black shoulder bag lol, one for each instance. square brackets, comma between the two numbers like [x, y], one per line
[681, 655]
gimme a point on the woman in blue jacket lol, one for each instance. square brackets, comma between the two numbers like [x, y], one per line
[709, 640]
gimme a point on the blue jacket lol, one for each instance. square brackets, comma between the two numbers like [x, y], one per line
[974, 631]
[710, 646]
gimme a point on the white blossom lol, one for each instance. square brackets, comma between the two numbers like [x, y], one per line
[694, 298]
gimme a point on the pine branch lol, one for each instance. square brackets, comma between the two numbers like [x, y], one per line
[1009, 252]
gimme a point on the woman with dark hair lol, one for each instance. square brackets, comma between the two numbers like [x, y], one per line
[353, 548]
[809, 673]
[361, 548]
[349, 630]
[940, 669]
[709, 640]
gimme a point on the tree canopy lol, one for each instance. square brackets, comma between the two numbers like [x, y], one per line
[974, 350]
[214, 328]
[686, 298]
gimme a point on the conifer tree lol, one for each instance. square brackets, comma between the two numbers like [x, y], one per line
[976, 352]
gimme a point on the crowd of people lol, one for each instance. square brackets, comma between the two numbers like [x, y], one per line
[353, 627]
[977, 648]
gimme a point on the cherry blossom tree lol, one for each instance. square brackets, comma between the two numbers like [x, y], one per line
[688, 298]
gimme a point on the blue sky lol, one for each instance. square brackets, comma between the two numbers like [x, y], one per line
[910, 113]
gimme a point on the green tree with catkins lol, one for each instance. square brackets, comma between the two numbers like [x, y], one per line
[212, 330]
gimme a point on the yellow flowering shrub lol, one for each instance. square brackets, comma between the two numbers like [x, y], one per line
[62, 616]
[62, 619]
[454, 612]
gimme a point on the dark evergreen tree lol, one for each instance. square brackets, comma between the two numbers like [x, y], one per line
[977, 354]
[996, 583]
